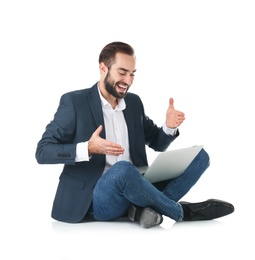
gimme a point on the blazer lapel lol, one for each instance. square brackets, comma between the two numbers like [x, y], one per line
[128, 114]
[96, 108]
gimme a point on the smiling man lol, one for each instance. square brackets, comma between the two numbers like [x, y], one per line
[122, 70]
[100, 135]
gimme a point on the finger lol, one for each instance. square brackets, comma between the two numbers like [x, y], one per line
[115, 153]
[98, 130]
[171, 103]
[112, 145]
[114, 149]
[181, 115]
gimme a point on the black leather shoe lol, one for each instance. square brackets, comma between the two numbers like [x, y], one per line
[146, 217]
[207, 210]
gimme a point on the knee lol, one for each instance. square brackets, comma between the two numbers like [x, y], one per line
[122, 173]
[204, 157]
[124, 169]
[120, 165]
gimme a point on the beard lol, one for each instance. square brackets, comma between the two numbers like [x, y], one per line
[110, 87]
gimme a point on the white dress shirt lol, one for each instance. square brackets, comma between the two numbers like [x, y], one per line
[115, 131]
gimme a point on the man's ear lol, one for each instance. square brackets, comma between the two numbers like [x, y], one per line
[103, 68]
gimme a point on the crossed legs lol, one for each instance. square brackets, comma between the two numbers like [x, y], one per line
[123, 185]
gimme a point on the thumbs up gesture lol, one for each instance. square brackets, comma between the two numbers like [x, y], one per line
[174, 118]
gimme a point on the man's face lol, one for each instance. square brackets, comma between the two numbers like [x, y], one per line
[120, 76]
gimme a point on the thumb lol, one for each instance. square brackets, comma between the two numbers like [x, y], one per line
[98, 130]
[171, 103]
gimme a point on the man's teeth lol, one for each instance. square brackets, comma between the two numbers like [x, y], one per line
[122, 86]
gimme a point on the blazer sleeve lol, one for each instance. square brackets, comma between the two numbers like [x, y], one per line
[155, 137]
[56, 145]
[143, 131]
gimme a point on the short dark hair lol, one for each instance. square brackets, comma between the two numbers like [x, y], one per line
[109, 52]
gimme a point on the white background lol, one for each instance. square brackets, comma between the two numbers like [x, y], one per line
[201, 53]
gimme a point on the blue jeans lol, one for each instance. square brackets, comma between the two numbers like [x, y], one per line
[123, 185]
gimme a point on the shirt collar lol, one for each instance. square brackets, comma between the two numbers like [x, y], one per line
[121, 102]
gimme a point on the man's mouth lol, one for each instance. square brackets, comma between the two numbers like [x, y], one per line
[122, 87]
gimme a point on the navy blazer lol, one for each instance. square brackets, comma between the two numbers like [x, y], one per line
[78, 115]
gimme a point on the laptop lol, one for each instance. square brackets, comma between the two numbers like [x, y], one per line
[170, 164]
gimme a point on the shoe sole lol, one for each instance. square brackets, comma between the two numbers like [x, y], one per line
[132, 212]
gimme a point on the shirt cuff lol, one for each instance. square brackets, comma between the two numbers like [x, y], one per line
[169, 131]
[82, 153]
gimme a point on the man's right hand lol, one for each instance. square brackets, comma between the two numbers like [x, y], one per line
[98, 145]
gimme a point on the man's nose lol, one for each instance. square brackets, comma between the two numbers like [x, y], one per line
[128, 80]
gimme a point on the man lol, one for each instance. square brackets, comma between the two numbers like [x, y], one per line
[99, 134]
